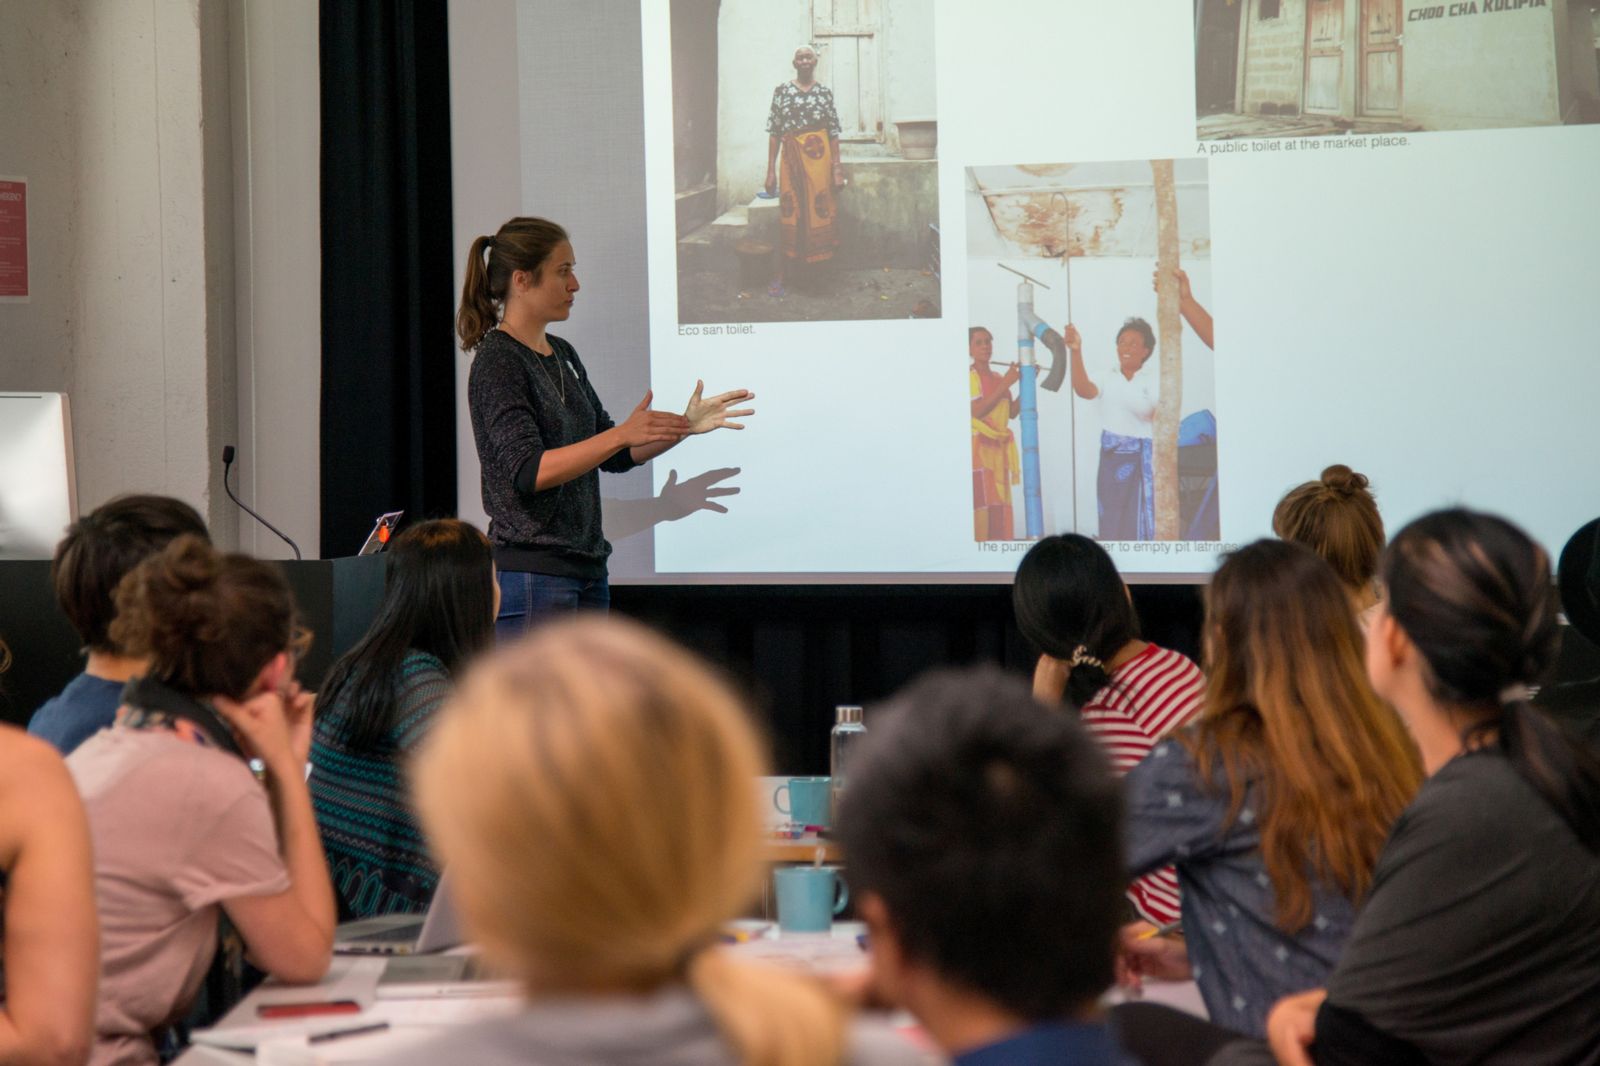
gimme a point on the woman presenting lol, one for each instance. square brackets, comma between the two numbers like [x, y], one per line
[541, 432]
[1128, 396]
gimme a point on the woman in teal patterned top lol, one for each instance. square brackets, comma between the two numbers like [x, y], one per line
[439, 604]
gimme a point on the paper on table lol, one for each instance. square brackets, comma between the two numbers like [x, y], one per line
[369, 1047]
[357, 981]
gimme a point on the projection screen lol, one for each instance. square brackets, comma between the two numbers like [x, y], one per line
[1281, 233]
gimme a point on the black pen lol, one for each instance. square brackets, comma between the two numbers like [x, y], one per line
[340, 1034]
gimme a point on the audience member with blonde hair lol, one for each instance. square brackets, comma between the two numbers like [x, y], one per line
[1337, 517]
[50, 937]
[1274, 805]
[590, 787]
[181, 828]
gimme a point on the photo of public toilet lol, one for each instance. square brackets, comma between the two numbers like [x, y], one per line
[1089, 351]
[804, 160]
[1283, 68]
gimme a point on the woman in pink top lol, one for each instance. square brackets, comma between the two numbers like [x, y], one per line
[1071, 604]
[181, 828]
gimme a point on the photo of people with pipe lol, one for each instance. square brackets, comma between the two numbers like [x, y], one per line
[1090, 349]
[1309, 68]
[804, 160]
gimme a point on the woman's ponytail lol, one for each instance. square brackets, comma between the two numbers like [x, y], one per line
[1559, 766]
[772, 1018]
[477, 315]
[1473, 593]
[1071, 604]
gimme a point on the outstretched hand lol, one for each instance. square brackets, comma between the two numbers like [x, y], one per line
[707, 413]
[645, 426]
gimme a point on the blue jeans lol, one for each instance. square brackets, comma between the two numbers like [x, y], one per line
[528, 599]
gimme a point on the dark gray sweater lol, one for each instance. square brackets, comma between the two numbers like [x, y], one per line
[522, 404]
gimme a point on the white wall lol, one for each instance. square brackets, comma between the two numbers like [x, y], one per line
[128, 117]
[277, 125]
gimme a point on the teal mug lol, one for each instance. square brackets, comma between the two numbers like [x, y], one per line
[809, 897]
[807, 801]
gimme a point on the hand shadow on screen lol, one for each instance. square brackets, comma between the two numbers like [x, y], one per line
[678, 499]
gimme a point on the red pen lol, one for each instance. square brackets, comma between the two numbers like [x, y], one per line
[308, 1010]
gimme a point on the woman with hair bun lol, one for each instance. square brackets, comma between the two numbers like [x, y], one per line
[1337, 517]
[182, 830]
[1478, 939]
[590, 788]
[1072, 605]
[542, 433]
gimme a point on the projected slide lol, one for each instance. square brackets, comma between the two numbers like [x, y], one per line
[769, 100]
[1132, 269]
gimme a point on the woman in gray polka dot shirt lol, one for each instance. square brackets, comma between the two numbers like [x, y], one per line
[1275, 804]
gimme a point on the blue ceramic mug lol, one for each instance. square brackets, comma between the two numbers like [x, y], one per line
[809, 897]
[807, 802]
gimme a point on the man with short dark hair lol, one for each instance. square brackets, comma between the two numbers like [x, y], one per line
[982, 836]
[91, 559]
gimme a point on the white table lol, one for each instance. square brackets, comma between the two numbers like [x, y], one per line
[352, 977]
[355, 977]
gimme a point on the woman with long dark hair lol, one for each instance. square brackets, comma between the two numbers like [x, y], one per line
[378, 702]
[1275, 803]
[1072, 605]
[1478, 940]
[541, 432]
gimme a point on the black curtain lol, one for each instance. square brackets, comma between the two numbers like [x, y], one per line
[798, 651]
[388, 369]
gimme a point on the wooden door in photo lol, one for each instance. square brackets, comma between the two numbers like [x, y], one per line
[1380, 58]
[1324, 56]
[847, 34]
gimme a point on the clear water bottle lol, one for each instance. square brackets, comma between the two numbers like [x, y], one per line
[848, 732]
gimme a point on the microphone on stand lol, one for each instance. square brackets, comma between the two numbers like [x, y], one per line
[227, 464]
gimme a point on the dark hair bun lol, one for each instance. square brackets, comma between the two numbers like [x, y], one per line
[208, 622]
[1342, 479]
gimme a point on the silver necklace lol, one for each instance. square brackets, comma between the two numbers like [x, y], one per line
[538, 361]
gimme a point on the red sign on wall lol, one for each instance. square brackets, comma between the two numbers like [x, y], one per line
[13, 238]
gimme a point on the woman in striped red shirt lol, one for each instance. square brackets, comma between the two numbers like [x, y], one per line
[1071, 603]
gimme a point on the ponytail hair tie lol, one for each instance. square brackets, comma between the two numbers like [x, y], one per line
[1512, 694]
[1081, 657]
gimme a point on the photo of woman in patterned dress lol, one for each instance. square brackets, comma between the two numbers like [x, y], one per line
[804, 126]
[805, 180]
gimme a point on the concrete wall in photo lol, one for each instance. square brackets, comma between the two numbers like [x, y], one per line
[1476, 71]
[1274, 61]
